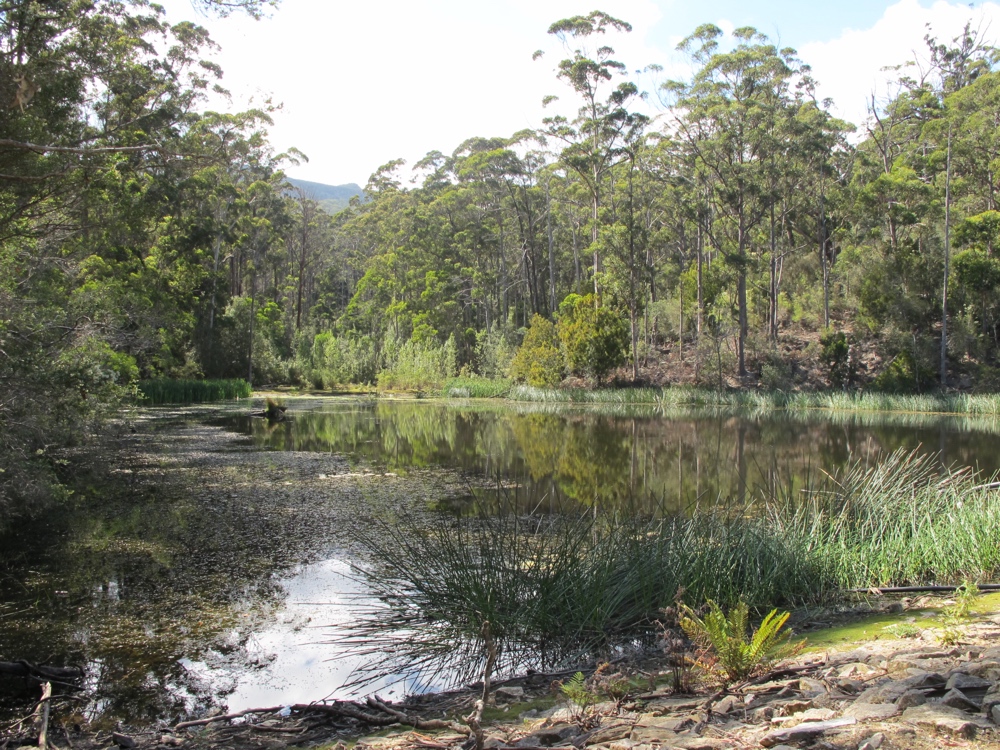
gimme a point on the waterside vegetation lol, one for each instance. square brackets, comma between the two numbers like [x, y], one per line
[555, 588]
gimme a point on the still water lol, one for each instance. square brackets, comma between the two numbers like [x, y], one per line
[206, 572]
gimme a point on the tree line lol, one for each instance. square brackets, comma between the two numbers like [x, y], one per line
[143, 235]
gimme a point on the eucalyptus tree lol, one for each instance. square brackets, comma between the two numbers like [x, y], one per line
[593, 141]
[730, 116]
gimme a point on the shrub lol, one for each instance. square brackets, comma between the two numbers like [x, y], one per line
[539, 362]
[595, 339]
[836, 355]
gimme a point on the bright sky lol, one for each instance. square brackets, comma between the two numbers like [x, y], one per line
[362, 83]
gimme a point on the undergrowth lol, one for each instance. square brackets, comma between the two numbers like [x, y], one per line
[169, 391]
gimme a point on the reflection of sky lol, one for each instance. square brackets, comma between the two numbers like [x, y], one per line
[294, 665]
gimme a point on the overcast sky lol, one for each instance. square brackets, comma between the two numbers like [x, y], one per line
[362, 83]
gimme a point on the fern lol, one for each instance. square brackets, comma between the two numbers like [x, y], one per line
[575, 688]
[725, 636]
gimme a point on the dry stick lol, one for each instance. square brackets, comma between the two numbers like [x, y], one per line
[224, 717]
[404, 718]
[46, 706]
[475, 719]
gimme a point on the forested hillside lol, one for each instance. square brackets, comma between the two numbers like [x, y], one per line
[744, 235]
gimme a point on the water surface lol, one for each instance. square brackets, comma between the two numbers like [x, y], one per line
[203, 573]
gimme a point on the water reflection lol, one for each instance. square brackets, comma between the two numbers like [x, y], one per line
[567, 459]
[180, 602]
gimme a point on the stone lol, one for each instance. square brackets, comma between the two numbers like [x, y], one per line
[851, 687]
[508, 694]
[699, 743]
[815, 714]
[963, 681]
[793, 707]
[494, 740]
[872, 711]
[911, 698]
[925, 680]
[872, 743]
[810, 687]
[856, 669]
[727, 704]
[805, 731]
[673, 723]
[548, 736]
[623, 744]
[762, 714]
[957, 699]
[608, 734]
[989, 701]
[941, 718]
[995, 714]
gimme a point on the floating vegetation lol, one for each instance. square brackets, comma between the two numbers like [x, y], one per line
[170, 391]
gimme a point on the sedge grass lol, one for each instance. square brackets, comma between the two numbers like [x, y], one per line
[170, 391]
[556, 586]
[834, 401]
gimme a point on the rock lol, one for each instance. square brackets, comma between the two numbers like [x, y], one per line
[911, 698]
[872, 711]
[793, 707]
[873, 743]
[608, 734]
[549, 735]
[925, 680]
[727, 704]
[811, 688]
[494, 740]
[624, 744]
[957, 699]
[804, 731]
[982, 668]
[942, 718]
[995, 714]
[699, 743]
[851, 687]
[963, 681]
[815, 714]
[762, 714]
[508, 694]
[856, 669]
[123, 741]
[673, 723]
[989, 701]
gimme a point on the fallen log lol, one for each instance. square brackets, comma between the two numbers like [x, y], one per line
[24, 668]
[877, 590]
[46, 707]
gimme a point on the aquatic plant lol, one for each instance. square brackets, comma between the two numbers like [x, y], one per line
[170, 391]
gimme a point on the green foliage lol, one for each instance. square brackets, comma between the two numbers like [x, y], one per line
[836, 355]
[725, 636]
[166, 391]
[417, 366]
[594, 339]
[575, 688]
[957, 615]
[538, 361]
[903, 375]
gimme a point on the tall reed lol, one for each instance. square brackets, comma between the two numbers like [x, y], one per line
[169, 391]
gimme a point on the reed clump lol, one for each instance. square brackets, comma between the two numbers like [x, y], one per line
[556, 586]
[170, 391]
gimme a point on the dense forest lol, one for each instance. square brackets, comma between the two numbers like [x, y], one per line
[742, 236]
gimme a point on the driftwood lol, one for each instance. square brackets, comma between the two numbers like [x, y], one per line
[877, 590]
[382, 715]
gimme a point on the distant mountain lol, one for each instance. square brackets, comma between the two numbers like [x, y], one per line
[331, 198]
